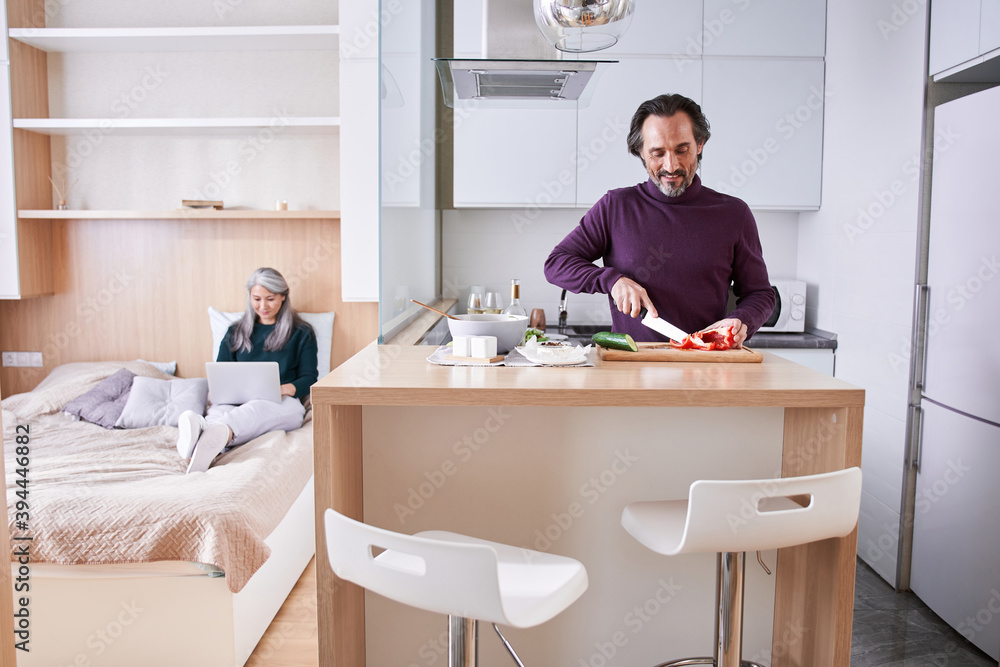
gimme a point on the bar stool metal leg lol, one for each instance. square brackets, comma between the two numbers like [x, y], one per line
[729, 611]
[729, 574]
[463, 642]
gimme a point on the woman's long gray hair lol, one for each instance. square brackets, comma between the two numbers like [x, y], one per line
[286, 321]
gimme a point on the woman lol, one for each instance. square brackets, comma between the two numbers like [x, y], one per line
[270, 330]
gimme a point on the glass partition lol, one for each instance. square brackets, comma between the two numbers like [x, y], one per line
[408, 228]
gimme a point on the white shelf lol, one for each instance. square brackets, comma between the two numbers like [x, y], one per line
[177, 214]
[253, 38]
[185, 126]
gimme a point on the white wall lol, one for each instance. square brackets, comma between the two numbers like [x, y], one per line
[489, 247]
[858, 251]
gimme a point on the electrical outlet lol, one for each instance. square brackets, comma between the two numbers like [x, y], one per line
[22, 359]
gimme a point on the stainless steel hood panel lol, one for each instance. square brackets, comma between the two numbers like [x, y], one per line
[520, 67]
[480, 80]
[511, 32]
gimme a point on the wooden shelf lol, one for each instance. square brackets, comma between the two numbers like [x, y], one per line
[250, 38]
[182, 126]
[179, 214]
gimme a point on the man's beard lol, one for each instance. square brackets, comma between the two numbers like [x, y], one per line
[673, 191]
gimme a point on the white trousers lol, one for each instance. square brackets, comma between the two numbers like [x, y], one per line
[258, 417]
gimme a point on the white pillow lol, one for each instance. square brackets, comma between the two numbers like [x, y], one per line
[322, 324]
[168, 367]
[153, 402]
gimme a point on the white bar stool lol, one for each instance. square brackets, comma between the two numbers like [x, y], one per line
[732, 517]
[468, 579]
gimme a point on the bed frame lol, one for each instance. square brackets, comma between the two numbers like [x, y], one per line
[163, 614]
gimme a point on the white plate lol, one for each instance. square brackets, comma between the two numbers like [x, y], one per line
[552, 361]
[556, 336]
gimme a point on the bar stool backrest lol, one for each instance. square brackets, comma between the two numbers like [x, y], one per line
[756, 515]
[440, 576]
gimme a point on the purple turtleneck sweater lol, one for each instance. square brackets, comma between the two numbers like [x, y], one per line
[683, 250]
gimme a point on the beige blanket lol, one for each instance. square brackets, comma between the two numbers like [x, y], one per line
[121, 496]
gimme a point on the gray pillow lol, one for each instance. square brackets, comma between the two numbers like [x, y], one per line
[155, 402]
[104, 403]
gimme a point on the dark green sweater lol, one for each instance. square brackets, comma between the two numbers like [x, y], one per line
[296, 361]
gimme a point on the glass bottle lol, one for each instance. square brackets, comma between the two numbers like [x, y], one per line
[515, 307]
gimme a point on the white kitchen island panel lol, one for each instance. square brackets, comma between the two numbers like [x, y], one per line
[557, 480]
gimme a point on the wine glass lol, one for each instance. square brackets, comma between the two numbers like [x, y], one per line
[493, 303]
[475, 306]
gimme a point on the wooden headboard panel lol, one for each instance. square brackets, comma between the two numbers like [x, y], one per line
[127, 289]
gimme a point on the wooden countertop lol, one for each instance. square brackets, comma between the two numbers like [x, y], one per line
[401, 375]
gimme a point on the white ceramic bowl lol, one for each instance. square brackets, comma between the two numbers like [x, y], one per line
[509, 329]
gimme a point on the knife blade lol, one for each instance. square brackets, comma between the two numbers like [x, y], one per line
[660, 325]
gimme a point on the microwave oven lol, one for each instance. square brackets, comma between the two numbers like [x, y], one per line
[789, 313]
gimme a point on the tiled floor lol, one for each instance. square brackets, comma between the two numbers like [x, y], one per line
[898, 629]
[890, 629]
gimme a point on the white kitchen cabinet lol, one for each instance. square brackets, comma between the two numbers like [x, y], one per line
[788, 28]
[515, 157]
[468, 29]
[767, 130]
[359, 180]
[661, 27]
[954, 33]
[821, 360]
[989, 29]
[760, 82]
[359, 158]
[603, 161]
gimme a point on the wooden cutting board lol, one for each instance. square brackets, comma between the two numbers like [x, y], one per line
[664, 352]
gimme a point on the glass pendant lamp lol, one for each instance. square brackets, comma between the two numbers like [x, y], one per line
[580, 26]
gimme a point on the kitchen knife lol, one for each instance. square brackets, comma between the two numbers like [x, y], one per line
[660, 325]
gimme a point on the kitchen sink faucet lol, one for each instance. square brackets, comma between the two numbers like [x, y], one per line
[562, 311]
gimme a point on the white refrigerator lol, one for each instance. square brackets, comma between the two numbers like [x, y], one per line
[955, 566]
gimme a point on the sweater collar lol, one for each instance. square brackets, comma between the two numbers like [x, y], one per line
[692, 191]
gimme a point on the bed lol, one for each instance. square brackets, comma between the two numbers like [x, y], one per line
[132, 562]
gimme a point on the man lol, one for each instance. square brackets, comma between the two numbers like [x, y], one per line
[670, 245]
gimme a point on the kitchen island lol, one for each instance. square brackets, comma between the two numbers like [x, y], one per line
[546, 458]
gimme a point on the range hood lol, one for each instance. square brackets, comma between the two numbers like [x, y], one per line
[519, 67]
[516, 83]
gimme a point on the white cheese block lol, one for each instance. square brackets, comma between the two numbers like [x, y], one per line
[483, 347]
[461, 347]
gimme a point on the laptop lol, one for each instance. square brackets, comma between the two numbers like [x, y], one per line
[236, 382]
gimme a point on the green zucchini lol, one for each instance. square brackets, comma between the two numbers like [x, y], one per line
[615, 341]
